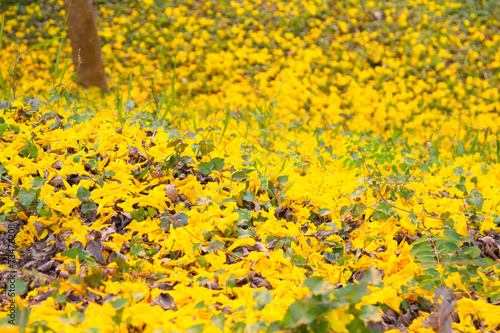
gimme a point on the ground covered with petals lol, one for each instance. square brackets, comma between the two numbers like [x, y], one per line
[325, 166]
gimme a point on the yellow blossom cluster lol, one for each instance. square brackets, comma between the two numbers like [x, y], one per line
[247, 150]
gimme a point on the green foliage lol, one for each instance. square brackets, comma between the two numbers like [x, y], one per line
[215, 164]
[451, 254]
[77, 253]
[310, 314]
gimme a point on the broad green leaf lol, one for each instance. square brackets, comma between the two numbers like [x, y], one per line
[470, 252]
[43, 212]
[317, 285]
[217, 163]
[202, 261]
[20, 286]
[248, 196]
[324, 212]
[483, 262]
[299, 260]
[238, 175]
[297, 315]
[458, 171]
[424, 167]
[370, 313]
[77, 252]
[198, 328]
[3, 128]
[26, 197]
[282, 179]
[119, 303]
[218, 321]
[205, 168]
[452, 235]
[83, 194]
[432, 272]
[447, 246]
[262, 298]
[37, 182]
[418, 253]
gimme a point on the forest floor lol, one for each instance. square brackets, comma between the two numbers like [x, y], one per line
[323, 166]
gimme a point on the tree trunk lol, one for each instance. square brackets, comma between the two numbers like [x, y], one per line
[87, 57]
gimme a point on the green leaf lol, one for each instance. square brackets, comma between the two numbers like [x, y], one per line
[324, 212]
[262, 298]
[446, 247]
[299, 260]
[282, 179]
[422, 252]
[422, 240]
[54, 97]
[218, 321]
[317, 285]
[483, 262]
[476, 202]
[83, 194]
[458, 171]
[432, 272]
[470, 252]
[37, 182]
[238, 175]
[217, 163]
[19, 286]
[119, 303]
[179, 220]
[424, 167]
[248, 196]
[26, 197]
[475, 199]
[152, 211]
[452, 235]
[77, 252]
[32, 151]
[297, 315]
[205, 168]
[427, 259]
[3, 128]
[370, 313]
[344, 210]
[202, 261]
[198, 328]
[46, 213]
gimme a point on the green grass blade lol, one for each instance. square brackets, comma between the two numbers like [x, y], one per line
[56, 67]
[34, 47]
[474, 143]
[119, 106]
[63, 73]
[129, 87]
[275, 134]
[194, 121]
[189, 92]
[1, 30]
[172, 96]
[3, 84]
[226, 123]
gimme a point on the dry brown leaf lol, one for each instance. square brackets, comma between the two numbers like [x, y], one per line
[165, 301]
[172, 193]
[94, 248]
[444, 303]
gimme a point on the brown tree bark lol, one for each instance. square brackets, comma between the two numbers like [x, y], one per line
[87, 57]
